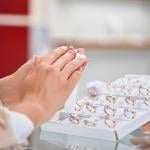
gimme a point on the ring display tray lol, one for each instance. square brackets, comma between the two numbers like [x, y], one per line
[109, 112]
[112, 134]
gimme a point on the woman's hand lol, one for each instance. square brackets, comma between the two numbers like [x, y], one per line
[10, 86]
[146, 127]
[142, 143]
[48, 85]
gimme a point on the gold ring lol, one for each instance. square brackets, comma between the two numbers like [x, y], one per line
[129, 114]
[111, 99]
[130, 101]
[111, 123]
[109, 110]
[91, 108]
[74, 119]
[143, 91]
[89, 123]
[147, 102]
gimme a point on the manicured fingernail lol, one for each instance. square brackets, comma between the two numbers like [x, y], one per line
[81, 56]
[64, 47]
[71, 47]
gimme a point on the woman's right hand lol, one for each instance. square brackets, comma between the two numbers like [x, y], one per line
[49, 84]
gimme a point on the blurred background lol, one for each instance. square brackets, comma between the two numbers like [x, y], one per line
[115, 33]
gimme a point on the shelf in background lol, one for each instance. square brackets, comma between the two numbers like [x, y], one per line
[127, 44]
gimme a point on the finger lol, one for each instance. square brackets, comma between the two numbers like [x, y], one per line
[73, 66]
[146, 127]
[81, 50]
[137, 141]
[145, 146]
[84, 65]
[51, 57]
[65, 59]
[74, 78]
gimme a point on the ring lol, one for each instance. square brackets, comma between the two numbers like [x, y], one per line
[89, 123]
[129, 114]
[109, 110]
[143, 91]
[91, 108]
[130, 101]
[147, 102]
[125, 91]
[111, 123]
[74, 119]
[78, 106]
[92, 91]
[92, 97]
[111, 99]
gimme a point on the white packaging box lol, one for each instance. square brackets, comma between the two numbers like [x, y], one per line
[111, 134]
[82, 143]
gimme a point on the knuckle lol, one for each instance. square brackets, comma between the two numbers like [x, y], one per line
[59, 50]
[56, 52]
[64, 59]
[71, 53]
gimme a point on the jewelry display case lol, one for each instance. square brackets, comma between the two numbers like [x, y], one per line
[110, 111]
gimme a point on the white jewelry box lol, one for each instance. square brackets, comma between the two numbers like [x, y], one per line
[112, 134]
[122, 129]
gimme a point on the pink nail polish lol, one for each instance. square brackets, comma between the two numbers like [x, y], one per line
[71, 48]
[81, 56]
[64, 47]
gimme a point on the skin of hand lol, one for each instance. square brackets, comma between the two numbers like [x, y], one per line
[142, 143]
[48, 84]
[10, 86]
[146, 127]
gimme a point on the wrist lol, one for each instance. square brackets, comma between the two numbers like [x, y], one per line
[4, 87]
[32, 110]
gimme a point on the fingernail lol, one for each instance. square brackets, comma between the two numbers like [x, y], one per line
[71, 48]
[64, 47]
[81, 56]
